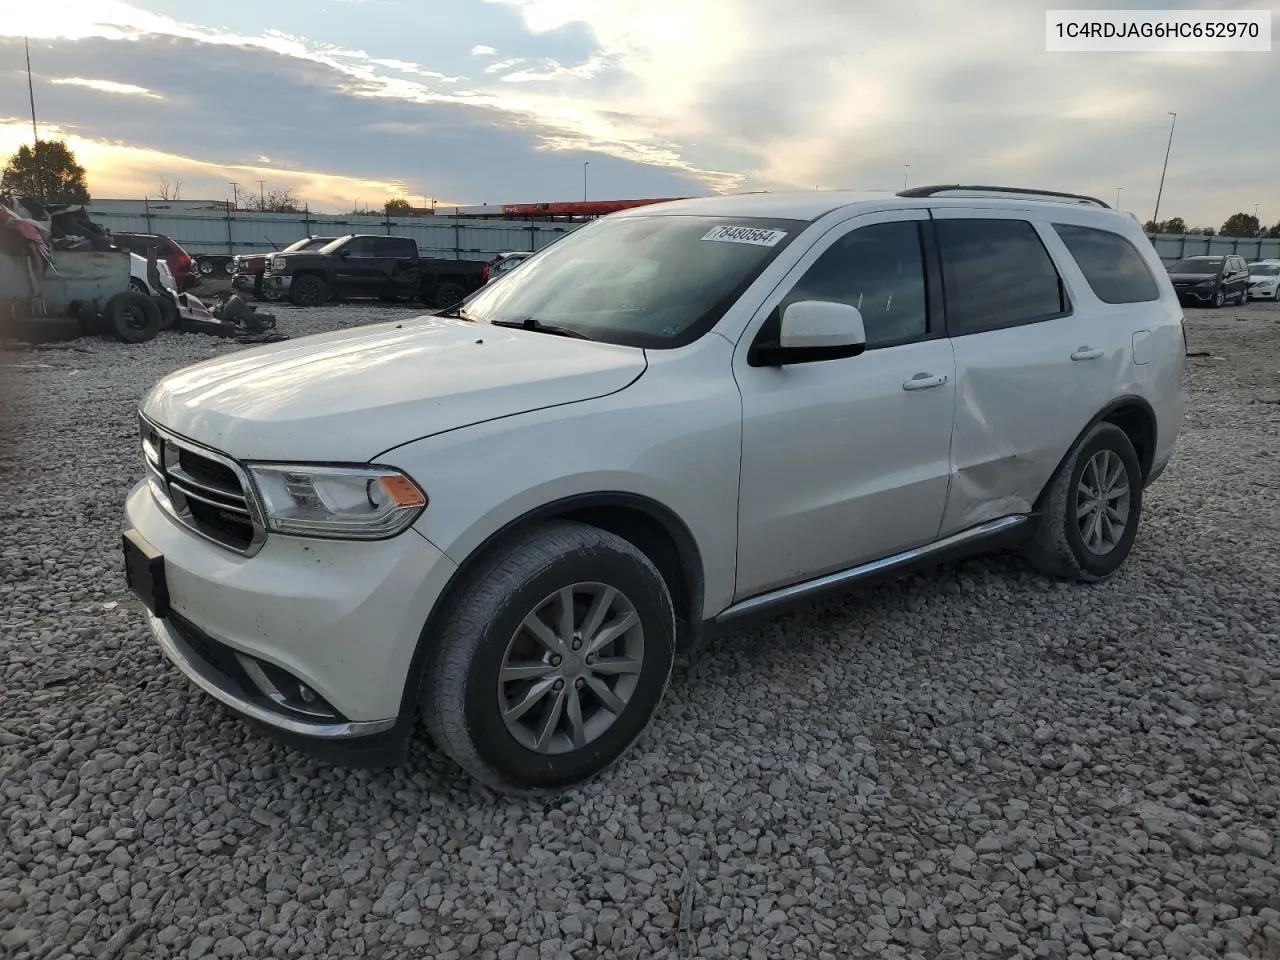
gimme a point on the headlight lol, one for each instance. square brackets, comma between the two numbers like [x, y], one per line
[351, 503]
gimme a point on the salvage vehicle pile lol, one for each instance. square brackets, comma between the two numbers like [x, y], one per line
[62, 276]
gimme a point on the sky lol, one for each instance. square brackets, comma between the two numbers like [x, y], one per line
[352, 102]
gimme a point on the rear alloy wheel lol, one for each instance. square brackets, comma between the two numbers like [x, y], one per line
[1219, 298]
[1089, 516]
[308, 291]
[1276, 296]
[552, 660]
[133, 317]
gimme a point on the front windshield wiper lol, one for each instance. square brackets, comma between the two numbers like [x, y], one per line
[533, 323]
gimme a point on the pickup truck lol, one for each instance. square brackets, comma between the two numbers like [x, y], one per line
[247, 268]
[388, 268]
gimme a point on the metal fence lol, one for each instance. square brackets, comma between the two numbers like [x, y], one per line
[226, 232]
[1171, 247]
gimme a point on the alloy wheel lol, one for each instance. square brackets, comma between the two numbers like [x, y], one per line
[571, 668]
[1102, 502]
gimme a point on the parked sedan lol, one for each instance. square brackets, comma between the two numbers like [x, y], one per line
[1264, 280]
[1211, 281]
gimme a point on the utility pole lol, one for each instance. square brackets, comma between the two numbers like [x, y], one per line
[1155, 217]
[235, 195]
[35, 133]
[906, 172]
[262, 196]
[585, 164]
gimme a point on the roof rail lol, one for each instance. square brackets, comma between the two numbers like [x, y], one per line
[972, 188]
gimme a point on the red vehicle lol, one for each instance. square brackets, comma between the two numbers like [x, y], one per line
[185, 272]
[247, 268]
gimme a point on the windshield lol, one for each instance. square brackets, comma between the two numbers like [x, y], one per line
[332, 245]
[1197, 265]
[655, 281]
[307, 243]
[1264, 269]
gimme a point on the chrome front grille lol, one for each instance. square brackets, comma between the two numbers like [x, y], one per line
[203, 489]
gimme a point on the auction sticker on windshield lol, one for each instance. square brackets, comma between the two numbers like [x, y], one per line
[754, 235]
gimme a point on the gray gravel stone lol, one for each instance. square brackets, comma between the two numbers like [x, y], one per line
[976, 762]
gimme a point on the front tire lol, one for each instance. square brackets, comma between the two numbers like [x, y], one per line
[1219, 298]
[308, 291]
[551, 661]
[1090, 513]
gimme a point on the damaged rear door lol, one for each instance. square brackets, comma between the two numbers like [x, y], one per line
[1030, 372]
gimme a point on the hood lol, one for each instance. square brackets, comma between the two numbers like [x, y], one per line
[352, 394]
[1192, 277]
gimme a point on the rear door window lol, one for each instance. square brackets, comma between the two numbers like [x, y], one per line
[1115, 270]
[361, 247]
[398, 247]
[997, 273]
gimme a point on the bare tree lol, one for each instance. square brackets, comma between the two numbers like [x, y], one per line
[274, 201]
[170, 191]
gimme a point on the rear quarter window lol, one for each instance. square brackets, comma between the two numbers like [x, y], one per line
[1114, 268]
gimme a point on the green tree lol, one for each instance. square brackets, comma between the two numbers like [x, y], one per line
[1241, 225]
[398, 207]
[1274, 231]
[1172, 225]
[49, 172]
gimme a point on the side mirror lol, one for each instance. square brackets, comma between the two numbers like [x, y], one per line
[811, 331]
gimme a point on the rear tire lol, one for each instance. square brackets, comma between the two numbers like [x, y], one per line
[1073, 540]
[447, 294]
[132, 317]
[308, 290]
[506, 642]
[1244, 297]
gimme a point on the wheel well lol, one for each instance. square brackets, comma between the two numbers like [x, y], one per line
[651, 537]
[657, 533]
[1132, 415]
[1139, 424]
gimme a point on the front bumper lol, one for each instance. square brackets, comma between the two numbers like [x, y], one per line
[276, 281]
[244, 281]
[1198, 295]
[342, 617]
[1260, 292]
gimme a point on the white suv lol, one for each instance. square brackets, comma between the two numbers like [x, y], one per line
[511, 518]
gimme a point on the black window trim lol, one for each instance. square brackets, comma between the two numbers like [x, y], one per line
[1064, 291]
[934, 310]
[1089, 283]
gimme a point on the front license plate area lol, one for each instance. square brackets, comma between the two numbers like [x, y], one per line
[144, 572]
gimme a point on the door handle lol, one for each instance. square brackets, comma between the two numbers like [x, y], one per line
[1087, 353]
[923, 381]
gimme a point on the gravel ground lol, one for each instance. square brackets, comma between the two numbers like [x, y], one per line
[974, 763]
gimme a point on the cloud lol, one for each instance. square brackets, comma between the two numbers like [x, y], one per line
[108, 86]
[717, 94]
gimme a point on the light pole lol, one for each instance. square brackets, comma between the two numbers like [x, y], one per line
[235, 195]
[906, 172]
[1155, 217]
[262, 195]
[585, 164]
[1118, 189]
